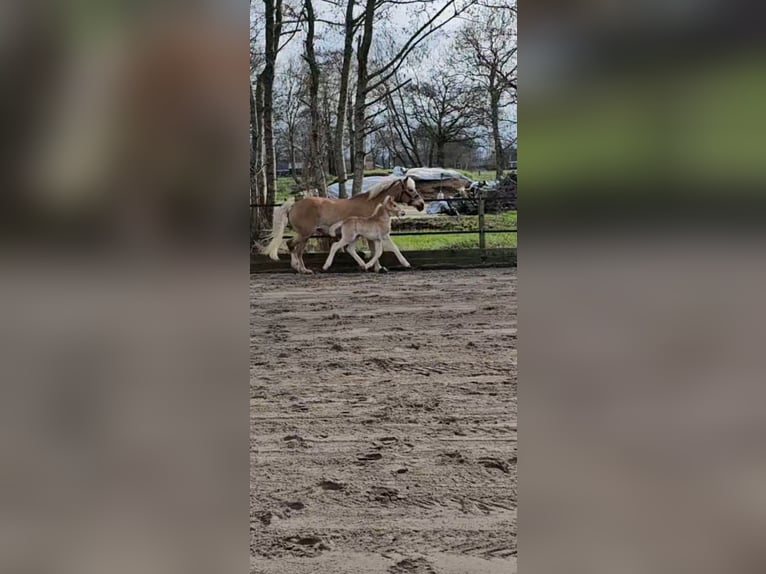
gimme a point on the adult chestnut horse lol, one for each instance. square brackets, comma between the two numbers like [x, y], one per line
[310, 214]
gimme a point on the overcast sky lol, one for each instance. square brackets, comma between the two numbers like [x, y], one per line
[399, 20]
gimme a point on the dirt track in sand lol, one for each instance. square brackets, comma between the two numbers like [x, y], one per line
[383, 423]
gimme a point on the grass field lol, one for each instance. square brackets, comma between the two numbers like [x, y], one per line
[507, 220]
[428, 242]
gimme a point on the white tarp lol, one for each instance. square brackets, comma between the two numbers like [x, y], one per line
[416, 173]
[435, 174]
[367, 183]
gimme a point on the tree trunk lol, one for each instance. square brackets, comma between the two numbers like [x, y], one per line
[291, 145]
[273, 13]
[350, 130]
[498, 143]
[315, 176]
[260, 174]
[269, 160]
[253, 144]
[359, 111]
[255, 223]
[360, 104]
[348, 51]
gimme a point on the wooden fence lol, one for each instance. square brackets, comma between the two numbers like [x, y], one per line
[452, 258]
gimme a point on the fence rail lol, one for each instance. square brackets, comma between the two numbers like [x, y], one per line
[431, 259]
[447, 200]
[445, 232]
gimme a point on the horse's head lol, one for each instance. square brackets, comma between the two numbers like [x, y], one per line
[409, 194]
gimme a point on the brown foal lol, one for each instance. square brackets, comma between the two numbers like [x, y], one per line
[375, 228]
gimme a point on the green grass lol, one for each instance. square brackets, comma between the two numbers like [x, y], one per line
[482, 175]
[507, 220]
[428, 242]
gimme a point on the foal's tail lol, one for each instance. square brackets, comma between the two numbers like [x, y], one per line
[334, 227]
[278, 229]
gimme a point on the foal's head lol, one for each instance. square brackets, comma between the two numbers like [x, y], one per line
[391, 208]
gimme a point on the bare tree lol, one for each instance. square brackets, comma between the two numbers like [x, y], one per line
[275, 38]
[349, 28]
[258, 213]
[403, 135]
[487, 51]
[287, 114]
[370, 80]
[315, 174]
[443, 106]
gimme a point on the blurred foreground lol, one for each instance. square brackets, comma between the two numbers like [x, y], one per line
[641, 288]
[123, 343]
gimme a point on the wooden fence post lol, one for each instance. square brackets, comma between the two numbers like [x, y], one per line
[482, 236]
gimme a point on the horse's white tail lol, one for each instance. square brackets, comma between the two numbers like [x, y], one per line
[278, 229]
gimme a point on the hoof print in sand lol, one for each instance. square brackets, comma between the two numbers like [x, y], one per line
[383, 494]
[453, 457]
[412, 566]
[295, 441]
[369, 456]
[331, 485]
[306, 545]
[489, 462]
[264, 517]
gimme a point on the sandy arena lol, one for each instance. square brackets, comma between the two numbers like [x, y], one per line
[383, 423]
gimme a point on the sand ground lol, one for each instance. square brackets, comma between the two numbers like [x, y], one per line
[383, 423]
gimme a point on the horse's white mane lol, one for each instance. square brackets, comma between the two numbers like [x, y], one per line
[382, 186]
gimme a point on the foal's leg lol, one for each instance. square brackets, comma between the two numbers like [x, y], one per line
[333, 250]
[351, 250]
[378, 253]
[392, 247]
[373, 245]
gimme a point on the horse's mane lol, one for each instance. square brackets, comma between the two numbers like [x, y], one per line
[381, 186]
[378, 209]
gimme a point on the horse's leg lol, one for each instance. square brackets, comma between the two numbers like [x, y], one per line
[294, 262]
[378, 253]
[373, 245]
[296, 254]
[392, 247]
[301, 249]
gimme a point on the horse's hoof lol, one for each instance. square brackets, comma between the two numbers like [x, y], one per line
[383, 270]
